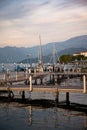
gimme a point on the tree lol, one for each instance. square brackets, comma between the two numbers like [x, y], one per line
[65, 59]
[69, 58]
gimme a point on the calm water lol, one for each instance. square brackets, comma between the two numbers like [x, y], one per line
[14, 116]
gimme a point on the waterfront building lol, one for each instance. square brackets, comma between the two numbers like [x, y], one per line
[84, 53]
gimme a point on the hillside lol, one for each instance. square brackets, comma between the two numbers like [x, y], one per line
[15, 54]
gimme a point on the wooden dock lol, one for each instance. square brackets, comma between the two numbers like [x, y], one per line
[10, 85]
[43, 88]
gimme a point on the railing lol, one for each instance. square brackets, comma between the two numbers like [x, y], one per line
[21, 76]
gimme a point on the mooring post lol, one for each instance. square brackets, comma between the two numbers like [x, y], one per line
[30, 79]
[85, 120]
[35, 81]
[67, 99]
[9, 93]
[57, 97]
[84, 84]
[23, 95]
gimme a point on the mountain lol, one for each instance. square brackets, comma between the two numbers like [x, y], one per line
[70, 46]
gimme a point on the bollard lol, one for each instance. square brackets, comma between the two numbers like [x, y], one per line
[84, 84]
[30, 79]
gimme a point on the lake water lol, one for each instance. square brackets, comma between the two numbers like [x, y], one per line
[15, 116]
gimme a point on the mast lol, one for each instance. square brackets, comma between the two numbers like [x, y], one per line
[40, 53]
[54, 54]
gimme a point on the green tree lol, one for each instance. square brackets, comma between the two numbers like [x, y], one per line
[69, 58]
[65, 59]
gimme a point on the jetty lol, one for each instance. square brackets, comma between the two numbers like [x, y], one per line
[48, 82]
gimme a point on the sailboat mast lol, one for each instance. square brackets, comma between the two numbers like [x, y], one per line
[54, 54]
[41, 59]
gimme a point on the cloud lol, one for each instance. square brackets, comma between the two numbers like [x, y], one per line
[80, 2]
[14, 9]
[64, 4]
[21, 21]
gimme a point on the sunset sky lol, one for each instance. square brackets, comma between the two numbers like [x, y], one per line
[22, 21]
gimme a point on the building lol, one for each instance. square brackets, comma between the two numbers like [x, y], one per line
[84, 53]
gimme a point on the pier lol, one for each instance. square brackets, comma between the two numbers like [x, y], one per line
[38, 82]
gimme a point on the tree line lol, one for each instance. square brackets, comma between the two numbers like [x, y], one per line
[69, 58]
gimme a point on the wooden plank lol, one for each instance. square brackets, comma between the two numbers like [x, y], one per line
[49, 90]
[71, 90]
[44, 89]
[61, 73]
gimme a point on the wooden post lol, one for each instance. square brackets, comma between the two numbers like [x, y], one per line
[16, 75]
[9, 94]
[30, 79]
[53, 79]
[35, 82]
[85, 120]
[41, 81]
[50, 79]
[84, 84]
[4, 76]
[67, 99]
[8, 75]
[26, 73]
[35, 71]
[29, 71]
[23, 95]
[57, 97]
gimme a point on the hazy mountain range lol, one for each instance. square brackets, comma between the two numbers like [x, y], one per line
[14, 54]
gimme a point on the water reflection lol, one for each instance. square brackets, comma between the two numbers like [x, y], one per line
[30, 115]
[20, 116]
[56, 118]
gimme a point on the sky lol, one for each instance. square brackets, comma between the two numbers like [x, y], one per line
[22, 21]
